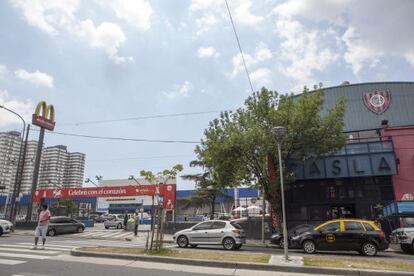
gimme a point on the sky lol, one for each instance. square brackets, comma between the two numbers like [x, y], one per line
[100, 60]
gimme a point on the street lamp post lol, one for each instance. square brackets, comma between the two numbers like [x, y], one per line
[88, 180]
[16, 184]
[131, 177]
[279, 133]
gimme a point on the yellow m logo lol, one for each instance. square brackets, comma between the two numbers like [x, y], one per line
[45, 111]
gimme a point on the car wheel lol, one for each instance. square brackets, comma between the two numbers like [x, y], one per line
[309, 247]
[407, 248]
[193, 245]
[119, 226]
[51, 232]
[1, 231]
[369, 249]
[80, 229]
[182, 241]
[229, 243]
[106, 227]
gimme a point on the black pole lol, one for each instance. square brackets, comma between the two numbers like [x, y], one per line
[36, 172]
[20, 176]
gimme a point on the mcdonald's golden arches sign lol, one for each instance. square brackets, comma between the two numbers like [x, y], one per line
[44, 116]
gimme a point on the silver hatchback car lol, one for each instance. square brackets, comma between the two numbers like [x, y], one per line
[212, 232]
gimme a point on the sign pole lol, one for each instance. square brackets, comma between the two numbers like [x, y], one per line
[36, 172]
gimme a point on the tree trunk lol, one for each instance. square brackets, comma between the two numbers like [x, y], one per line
[213, 207]
[272, 191]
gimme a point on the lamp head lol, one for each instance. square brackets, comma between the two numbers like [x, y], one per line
[130, 177]
[279, 132]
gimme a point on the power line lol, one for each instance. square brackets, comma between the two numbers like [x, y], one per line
[140, 158]
[240, 48]
[142, 118]
[121, 138]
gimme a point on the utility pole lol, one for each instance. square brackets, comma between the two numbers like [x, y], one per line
[36, 172]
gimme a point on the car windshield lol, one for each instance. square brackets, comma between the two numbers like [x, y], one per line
[300, 229]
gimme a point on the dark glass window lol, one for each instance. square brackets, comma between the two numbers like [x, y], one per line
[368, 227]
[218, 225]
[331, 227]
[235, 225]
[203, 226]
[353, 226]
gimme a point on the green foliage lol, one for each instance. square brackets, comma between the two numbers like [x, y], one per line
[72, 208]
[164, 176]
[238, 144]
[207, 188]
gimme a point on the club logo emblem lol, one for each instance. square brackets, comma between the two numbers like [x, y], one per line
[377, 101]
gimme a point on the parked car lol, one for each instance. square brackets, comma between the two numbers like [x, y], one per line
[115, 220]
[98, 218]
[362, 236]
[277, 238]
[64, 225]
[212, 232]
[405, 238]
[5, 226]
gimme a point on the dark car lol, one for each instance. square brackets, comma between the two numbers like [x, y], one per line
[362, 236]
[277, 238]
[64, 225]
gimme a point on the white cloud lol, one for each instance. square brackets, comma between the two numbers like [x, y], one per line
[107, 36]
[24, 108]
[137, 13]
[207, 52]
[47, 14]
[182, 90]
[262, 53]
[243, 14]
[367, 30]
[262, 77]
[212, 14]
[38, 78]
[206, 23]
[3, 71]
[303, 51]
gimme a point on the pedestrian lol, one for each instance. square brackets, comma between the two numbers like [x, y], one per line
[136, 223]
[125, 220]
[42, 225]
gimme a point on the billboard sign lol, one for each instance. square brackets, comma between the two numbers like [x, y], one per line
[167, 191]
[44, 116]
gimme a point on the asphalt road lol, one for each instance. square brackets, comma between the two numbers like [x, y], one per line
[18, 259]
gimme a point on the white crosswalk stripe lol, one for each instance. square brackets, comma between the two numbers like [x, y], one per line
[15, 254]
[104, 234]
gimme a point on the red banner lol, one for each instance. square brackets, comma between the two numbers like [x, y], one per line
[166, 191]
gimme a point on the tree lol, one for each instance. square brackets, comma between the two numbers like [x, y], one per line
[161, 177]
[240, 149]
[208, 191]
[71, 208]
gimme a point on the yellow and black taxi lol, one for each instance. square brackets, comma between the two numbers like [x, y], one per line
[362, 236]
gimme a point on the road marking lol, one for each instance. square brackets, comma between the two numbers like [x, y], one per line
[124, 235]
[11, 262]
[24, 256]
[31, 245]
[48, 245]
[109, 235]
[86, 234]
[8, 249]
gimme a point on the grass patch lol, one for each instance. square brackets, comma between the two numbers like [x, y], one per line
[213, 255]
[362, 264]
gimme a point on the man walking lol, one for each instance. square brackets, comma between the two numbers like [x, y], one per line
[136, 223]
[42, 225]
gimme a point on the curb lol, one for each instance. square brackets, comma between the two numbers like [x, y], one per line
[246, 266]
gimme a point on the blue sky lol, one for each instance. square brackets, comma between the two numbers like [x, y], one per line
[111, 59]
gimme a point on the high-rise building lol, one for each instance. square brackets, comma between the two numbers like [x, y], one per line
[9, 154]
[58, 167]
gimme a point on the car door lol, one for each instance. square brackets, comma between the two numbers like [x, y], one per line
[354, 235]
[330, 236]
[216, 233]
[199, 233]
